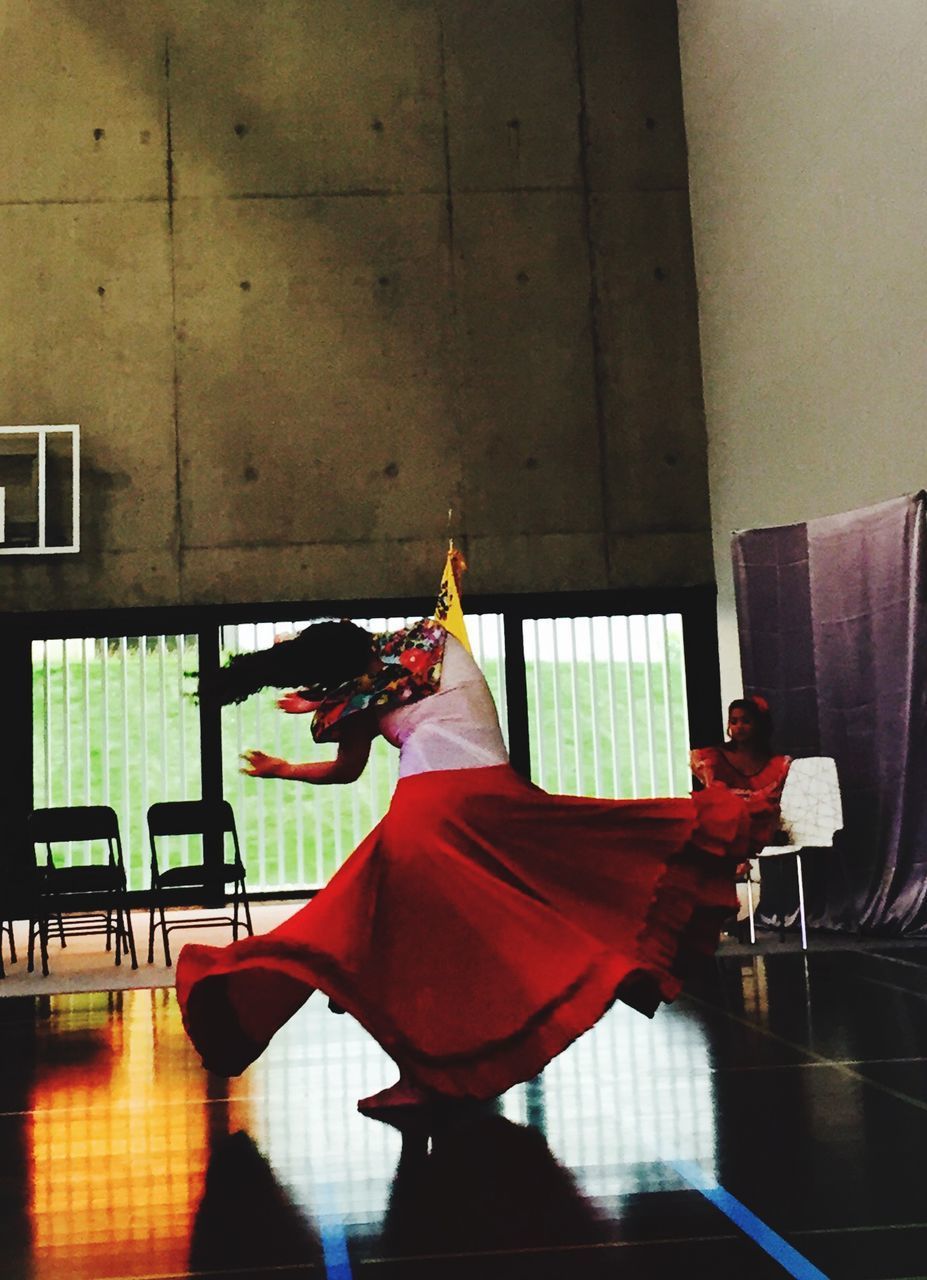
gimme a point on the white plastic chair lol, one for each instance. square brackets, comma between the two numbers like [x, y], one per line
[812, 813]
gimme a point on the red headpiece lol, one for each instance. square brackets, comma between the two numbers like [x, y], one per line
[760, 703]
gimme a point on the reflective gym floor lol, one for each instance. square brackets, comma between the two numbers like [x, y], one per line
[772, 1123]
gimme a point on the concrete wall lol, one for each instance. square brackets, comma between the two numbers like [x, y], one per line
[807, 136]
[310, 272]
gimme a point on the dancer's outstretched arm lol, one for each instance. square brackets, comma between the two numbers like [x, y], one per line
[347, 766]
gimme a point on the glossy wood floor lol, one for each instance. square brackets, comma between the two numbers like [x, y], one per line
[786, 1100]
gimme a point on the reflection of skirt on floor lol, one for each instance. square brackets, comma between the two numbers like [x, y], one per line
[481, 927]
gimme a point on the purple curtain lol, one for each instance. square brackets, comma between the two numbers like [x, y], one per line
[832, 620]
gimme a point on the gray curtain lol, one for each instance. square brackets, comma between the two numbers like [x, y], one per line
[832, 618]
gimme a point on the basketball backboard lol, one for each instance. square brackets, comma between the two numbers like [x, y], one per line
[39, 490]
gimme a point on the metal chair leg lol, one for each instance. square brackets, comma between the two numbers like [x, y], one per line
[117, 930]
[42, 926]
[151, 929]
[801, 903]
[750, 909]
[241, 903]
[128, 940]
[157, 904]
[164, 936]
[38, 926]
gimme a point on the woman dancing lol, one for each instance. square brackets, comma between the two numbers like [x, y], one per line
[484, 924]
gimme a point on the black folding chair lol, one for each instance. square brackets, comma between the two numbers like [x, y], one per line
[84, 899]
[201, 818]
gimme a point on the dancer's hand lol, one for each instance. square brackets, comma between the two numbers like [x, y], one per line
[260, 765]
[295, 705]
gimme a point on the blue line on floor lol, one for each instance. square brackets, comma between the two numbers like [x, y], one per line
[795, 1263]
[331, 1233]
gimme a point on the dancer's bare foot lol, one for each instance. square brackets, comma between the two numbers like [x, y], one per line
[402, 1094]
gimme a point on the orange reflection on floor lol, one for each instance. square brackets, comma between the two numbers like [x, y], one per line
[119, 1137]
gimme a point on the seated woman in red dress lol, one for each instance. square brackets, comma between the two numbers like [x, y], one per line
[483, 924]
[746, 765]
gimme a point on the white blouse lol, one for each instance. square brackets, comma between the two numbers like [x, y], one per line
[456, 727]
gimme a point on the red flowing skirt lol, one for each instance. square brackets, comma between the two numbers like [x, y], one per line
[481, 927]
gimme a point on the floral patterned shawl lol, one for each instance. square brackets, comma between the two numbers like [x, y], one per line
[408, 667]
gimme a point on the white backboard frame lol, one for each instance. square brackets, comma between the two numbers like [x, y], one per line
[42, 433]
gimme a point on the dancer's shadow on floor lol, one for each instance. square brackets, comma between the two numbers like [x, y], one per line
[484, 1184]
[246, 1222]
[481, 1185]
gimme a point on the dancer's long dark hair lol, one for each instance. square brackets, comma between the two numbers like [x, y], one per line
[762, 720]
[319, 659]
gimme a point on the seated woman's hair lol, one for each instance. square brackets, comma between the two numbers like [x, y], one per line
[321, 657]
[758, 710]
